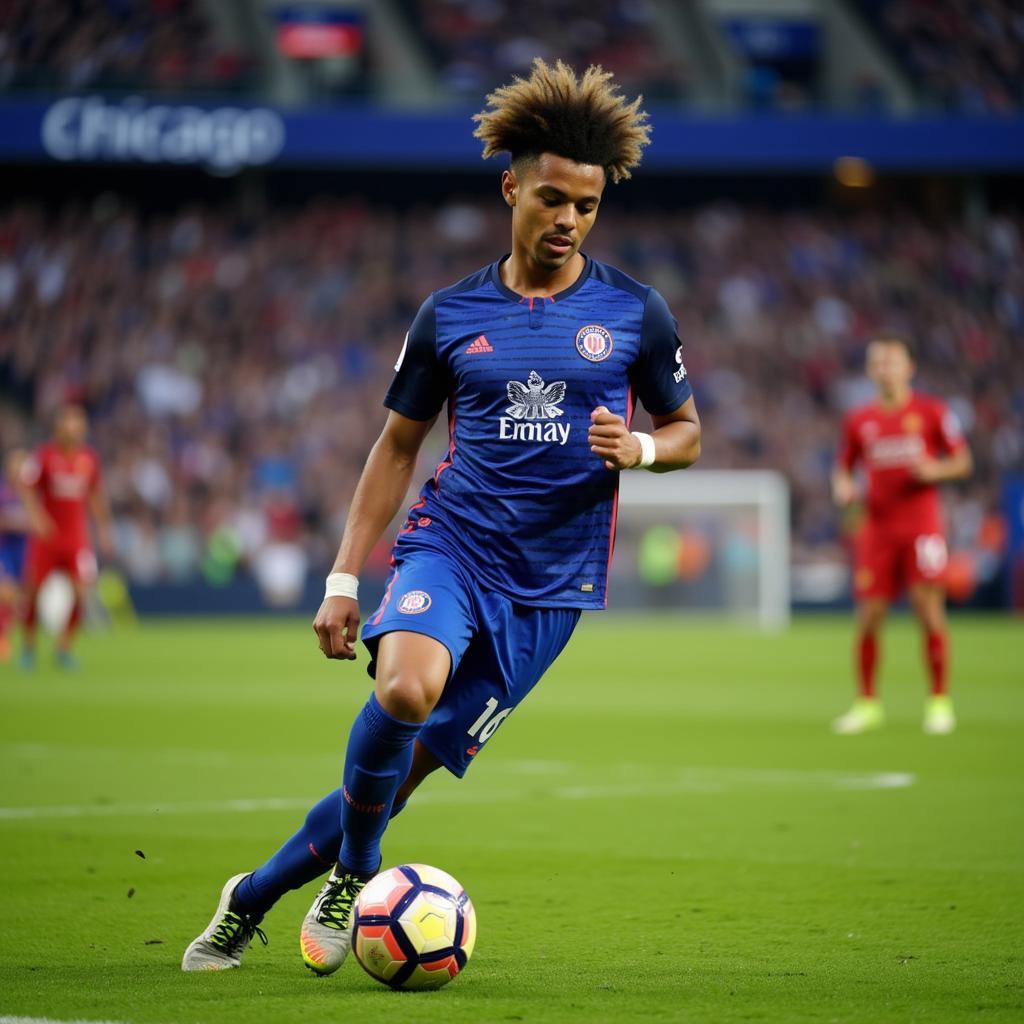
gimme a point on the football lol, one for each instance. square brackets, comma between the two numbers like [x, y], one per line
[413, 927]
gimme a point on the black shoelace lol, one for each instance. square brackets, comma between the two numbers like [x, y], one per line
[235, 932]
[336, 906]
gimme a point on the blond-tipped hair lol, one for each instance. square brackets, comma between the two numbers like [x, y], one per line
[586, 119]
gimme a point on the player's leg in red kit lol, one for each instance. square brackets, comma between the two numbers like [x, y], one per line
[866, 713]
[9, 597]
[81, 567]
[871, 613]
[874, 585]
[929, 603]
[39, 563]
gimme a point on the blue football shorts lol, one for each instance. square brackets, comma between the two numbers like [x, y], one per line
[499, 648]
[12, 555]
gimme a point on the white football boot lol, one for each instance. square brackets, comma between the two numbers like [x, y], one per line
[939, 719]
[226, 938]
[326, 934]
[866, 715]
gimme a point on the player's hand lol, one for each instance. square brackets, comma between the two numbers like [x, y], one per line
[336, 625]
[844, 491]
[925, 471]
[40, 523]
[609, 438]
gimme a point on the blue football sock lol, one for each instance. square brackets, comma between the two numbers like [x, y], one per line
[377, 762]
[311, 852]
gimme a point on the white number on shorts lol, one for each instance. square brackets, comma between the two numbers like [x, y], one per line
[930, 551]
[485, 723]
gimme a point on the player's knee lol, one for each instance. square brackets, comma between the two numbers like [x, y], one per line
[407, 695]
[871, 619]
[933, 619]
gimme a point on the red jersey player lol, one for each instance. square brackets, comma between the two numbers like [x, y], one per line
[907, 443]
[60, 485]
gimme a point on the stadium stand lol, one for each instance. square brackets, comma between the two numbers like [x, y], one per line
[477, 46]
[235, 363]
[966, 56]
[160, 45]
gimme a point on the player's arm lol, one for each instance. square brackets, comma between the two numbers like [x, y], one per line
[417, 393]
[948, 467]
[955, 462]
[99, 508]
[844, 484]
[26, 483]
[660, 381]
[379, 494]
[676, 439]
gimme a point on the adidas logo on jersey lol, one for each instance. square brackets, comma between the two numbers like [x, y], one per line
[480, 345]
[533, 403]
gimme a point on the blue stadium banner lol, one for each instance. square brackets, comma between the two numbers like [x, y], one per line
[774, 39]
[1013, 511]
[228, 137]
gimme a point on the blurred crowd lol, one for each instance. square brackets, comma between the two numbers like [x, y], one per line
[235, 364]
[160, 45]
[967, 55]
[479, 44]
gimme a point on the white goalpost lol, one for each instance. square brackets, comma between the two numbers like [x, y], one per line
[704, 540]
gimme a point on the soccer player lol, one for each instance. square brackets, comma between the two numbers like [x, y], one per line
[540, 357]
[60, 486]
[13, 541]
[908, 443]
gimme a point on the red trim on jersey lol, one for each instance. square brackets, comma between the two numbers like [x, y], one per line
[446, 462]
[375, 621]
[411, 522]
[611, 543]
[615, 503]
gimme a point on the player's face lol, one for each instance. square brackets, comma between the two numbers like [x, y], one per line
[72, 426]
[554, 204]
[889, 366]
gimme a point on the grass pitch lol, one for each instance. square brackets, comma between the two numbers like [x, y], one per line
[665, 831]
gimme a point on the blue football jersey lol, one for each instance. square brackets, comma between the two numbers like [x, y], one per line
[520, 499]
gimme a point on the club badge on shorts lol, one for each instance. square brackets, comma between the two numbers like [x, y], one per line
[594, 343]
[414, 602]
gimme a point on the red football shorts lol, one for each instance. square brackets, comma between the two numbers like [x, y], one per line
[888, 561]
[77, 560]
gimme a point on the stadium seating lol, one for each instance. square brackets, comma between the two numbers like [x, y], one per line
[236, 366]
[966, 57]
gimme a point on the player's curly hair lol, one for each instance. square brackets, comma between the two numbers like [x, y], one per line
[586, 119]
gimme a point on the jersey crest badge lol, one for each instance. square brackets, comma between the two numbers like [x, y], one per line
[534, 400]
[414, 602]
[912, 423]
[594, 343]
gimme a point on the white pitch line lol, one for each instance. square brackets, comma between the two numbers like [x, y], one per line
[692, 781]
[50, 1020]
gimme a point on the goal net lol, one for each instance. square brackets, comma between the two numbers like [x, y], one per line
[704, 540]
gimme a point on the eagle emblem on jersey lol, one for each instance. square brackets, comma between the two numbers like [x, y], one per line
[534, 400]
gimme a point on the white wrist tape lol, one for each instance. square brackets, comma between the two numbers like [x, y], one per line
[646, 449]
[342, 584]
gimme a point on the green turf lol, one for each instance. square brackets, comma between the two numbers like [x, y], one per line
[665, 831]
